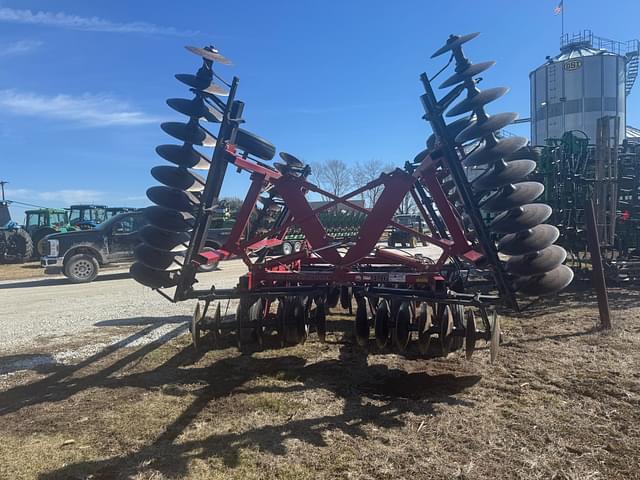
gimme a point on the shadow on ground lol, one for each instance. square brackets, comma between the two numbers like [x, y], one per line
[373, 395]
[47, 282]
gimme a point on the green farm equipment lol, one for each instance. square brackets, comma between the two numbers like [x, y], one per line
[45, 221]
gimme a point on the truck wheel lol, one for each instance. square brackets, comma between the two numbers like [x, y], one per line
[81, 268]
[212, 266]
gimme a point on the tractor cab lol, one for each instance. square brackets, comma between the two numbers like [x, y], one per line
[56, 218]
[86, 217]
[45, 221]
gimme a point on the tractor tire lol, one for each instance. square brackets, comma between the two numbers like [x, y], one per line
[81, 268]
[19, 247]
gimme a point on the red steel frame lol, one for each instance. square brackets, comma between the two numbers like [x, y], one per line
[324, 262]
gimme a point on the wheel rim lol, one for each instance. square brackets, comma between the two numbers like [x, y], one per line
[82, 269]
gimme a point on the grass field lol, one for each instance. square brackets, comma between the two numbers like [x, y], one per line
[563, 401]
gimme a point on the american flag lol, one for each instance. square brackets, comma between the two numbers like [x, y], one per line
[558, 9]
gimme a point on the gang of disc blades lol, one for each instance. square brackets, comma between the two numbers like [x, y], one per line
[521, 218]
[454, 42]
[184, 156]
[480, 99]
[488, 155]
[537, 262]
[211, 55]
[173, 198]
[164, 240]
[291, 160]
[546, 283]
[486, 127]
[156, 259]
[512, 196]
[189, 133]
[152, 278]
[471, 71]
[195, 108]
[503, 173]
[178, 177]
[168, 219]
[528, 241]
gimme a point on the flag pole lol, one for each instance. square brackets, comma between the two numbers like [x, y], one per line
[562, 13]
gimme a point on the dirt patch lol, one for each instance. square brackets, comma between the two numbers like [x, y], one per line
[18, 271]
[562, 402]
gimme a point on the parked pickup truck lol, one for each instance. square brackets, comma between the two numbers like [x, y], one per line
[80, 254]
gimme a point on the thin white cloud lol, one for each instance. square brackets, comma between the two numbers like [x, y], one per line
[20, 47]
[93, 24]
[91, 110]
[56, 197]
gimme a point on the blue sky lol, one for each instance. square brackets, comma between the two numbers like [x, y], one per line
[83, 84]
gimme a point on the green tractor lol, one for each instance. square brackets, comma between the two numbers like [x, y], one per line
[44, 221]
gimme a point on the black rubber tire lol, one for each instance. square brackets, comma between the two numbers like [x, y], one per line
[254, 145]
[211, 267]
[81, 268]
[20, 246]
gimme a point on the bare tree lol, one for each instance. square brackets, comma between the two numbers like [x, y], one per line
[407, 206]
[333, 176]
[365, 172]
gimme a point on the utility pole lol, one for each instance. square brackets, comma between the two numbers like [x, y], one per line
[2, 184]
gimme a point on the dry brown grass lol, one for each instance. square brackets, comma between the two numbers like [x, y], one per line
[562, 402]
[18, 271]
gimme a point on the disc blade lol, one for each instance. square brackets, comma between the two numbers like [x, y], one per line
[454, 41]
[152, 278]
[513, 195]
[486, 127]
[210, 54]
[177, 177]
[481, 99]
[503, 174]
[189, 133]
[202, 84]
[170, 220]
[470, 71]
[184, 156]
[488, 155]
[454, 128]
[291, 160]
[537, 262]
[528, 241]
[172, 198]
[521, 218]
[164, 240]
[195, 108]
[546, 283]
[156, 259]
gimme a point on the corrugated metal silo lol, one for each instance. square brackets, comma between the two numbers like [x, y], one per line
[586, 81]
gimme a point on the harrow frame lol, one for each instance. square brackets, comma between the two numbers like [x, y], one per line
[397, 293]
